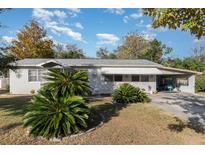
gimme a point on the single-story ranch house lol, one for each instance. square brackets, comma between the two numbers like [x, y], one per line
[104, 75]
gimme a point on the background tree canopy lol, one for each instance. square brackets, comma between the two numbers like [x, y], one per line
[195, 62]
[68, 51]
[132, 47]
[135, 46]
[156, 51]
[104, 53]
[187, 19]
[32, 42]
[5, 58]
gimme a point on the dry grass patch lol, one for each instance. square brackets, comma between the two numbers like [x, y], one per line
[201, 93]
[134, 124]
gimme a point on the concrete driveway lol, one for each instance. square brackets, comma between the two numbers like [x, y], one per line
[186, 106]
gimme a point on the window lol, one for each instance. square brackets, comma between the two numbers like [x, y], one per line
[32, 75]
[144, 78]
[35, 75]
[108, 78]
[41, 74]
[182, 82]
[152, 78]
[135, 78]
[118, 78]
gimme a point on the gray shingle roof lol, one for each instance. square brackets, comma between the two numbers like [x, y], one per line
[86, 62]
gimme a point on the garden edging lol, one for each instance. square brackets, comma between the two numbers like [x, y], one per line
[89, 130]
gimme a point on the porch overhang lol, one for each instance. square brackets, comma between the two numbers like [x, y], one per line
[140, 71]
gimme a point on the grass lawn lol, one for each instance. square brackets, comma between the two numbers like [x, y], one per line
[201, 93]
[134, 124]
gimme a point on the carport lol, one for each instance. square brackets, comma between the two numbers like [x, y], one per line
[178, 80]
[172, 82]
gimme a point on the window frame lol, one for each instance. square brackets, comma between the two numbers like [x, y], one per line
[132, 78]
[41, 75]
[118, 76]
[29, 75]
[105, 77]
[38, 75]
[186, 79]
[142, 77]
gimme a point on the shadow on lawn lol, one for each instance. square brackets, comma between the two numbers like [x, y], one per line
[180, 125]
[109, 110]
[14, 105]
[9, 127]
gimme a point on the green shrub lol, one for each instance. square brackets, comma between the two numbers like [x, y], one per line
[68, 82]
[50, 116]
[127, 93]
[200, 83]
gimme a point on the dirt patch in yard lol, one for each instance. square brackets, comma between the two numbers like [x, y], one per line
[134, 124]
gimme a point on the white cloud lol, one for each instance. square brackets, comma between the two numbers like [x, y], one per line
[160, 29]
[107, 39]
[50, 23]
[42, 14]
[148, 35]
[57, 28]
[46, 15]
[60, 14]
[199, 41]
[116, 11]
[55, 42]
[141, 21]
[149, 26]
[125, 19]
[76, 10]
[73, 11]
[137, 15]
[49, 37]
[79, 25]
[67, 31]
[7, 39]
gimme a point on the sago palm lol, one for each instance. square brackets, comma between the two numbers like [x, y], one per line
[68, 82]
[51, 116]
[127, 93]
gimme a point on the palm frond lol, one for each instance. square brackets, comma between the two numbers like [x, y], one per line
[52, 116]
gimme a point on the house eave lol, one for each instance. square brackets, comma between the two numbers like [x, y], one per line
[180, 70]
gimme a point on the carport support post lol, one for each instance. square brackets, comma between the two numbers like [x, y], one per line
[191, 83]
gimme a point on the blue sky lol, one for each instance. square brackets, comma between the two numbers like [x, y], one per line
[94, 28]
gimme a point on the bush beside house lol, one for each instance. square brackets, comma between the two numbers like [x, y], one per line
[127, 93]
[59, 109]
[200, 83]
[52, 116]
